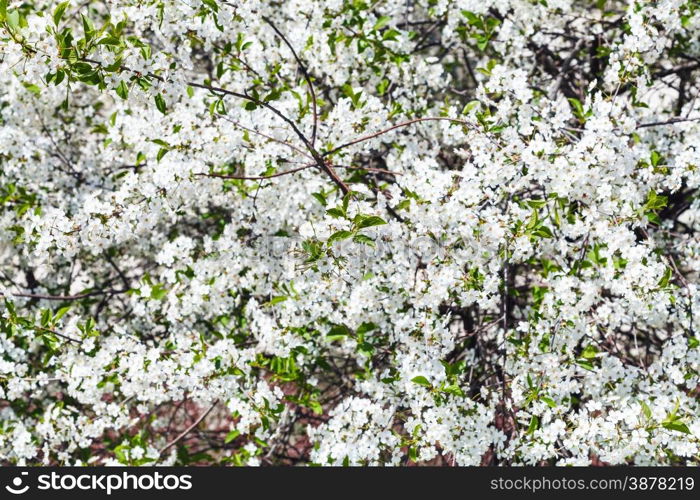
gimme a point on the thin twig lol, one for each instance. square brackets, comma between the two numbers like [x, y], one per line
[187, 431]
[667, 122]
[394, 127]
[305, 72]
[320, 163]
[253, 131]
[369, 169]
[58, 334]
[67, 297]
[252, 99]
[255, 178]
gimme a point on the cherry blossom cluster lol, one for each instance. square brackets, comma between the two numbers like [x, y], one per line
[446, 232]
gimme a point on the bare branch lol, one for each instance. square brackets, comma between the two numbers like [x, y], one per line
[187, 431]
[256, 178]
[394, 127]
[667, 122]
[307, 77]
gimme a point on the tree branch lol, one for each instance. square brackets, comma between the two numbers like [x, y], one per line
[256, 178]
[187, 431]
[305, 72]
[394, 127]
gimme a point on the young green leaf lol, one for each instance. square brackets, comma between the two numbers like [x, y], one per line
[122, 90]
[59, 11]
[421, 380]
[160, 103]
[363, 221]
[338, 236]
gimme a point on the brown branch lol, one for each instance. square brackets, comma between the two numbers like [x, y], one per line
[394, 127]
[667, 122]
[252, 99]
[59, 153]
[565, 68]
[318, 158]
[284, 143]
[67, 297]
[58, 334]
[320, 163]
[256, 178]
[305, 72]
[187, 431]
[369, 169]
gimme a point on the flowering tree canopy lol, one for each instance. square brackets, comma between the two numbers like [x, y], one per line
[333, 232]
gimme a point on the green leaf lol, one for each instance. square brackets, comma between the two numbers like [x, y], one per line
[335, 212]
[58, 78]
[363, 221]
[589, 352]
[122, 90]
[472, 18]
[455, 390]
[534, 424]
[653, 218]
[231, 436]
[46, 318]
[390, 35]
[58, 12]
[321, 199]
[381, 22]
[110, 40]
[338, 332]
[549, 401]
[211, 4]
[366, 327]
[585, 364]
[578, 109]
[339, 236]
[160, 103]
[536, 203]
[316, 407]
[276, 300]
[313, 248]
[470, 106]
[32, 88]
[88, 27]
[364, 240]
[120, 455]
[646, 410]
[543, 232]
[666, 278]
[655, 201]
[13, 19]
[421, 380]
[675, 425]
[158, 292]
[403, 205]
[60, 313]
[346, 203]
